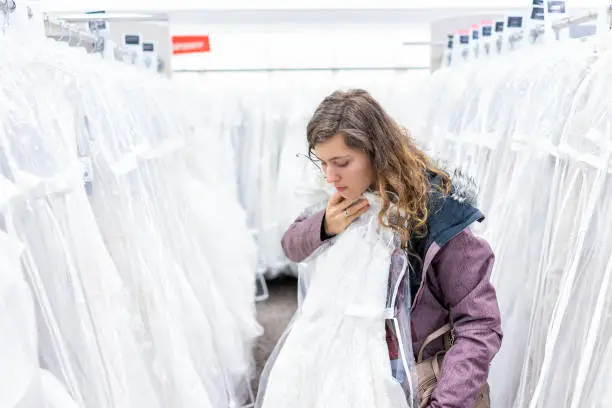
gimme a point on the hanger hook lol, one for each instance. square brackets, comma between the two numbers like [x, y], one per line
[7, 6]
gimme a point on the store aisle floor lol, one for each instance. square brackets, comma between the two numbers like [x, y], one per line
[274, 314]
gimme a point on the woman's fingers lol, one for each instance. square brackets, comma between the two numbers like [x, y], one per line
[355, 207]
[339, 216]
[348, 203]
[334, 205]
[348, 207]
[358, 212]
[335, 199]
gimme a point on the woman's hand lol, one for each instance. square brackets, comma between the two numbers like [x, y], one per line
[341, 213]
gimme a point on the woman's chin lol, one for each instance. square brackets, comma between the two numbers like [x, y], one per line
[347, 195]
[350, 194]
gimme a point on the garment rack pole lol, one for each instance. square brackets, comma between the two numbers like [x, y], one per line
[76, 36]
[561, 24]
[271, 70]
[7, 6]
[78, 18]
[69, 31]
[570, 21]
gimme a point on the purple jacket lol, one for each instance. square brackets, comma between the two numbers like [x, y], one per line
[454, 275]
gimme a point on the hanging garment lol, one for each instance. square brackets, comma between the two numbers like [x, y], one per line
[132, 310]
[576, 281]
[84, 322]
[335, 354]
[193, 342]
[541, 154]
[265, 115]
[23, 383]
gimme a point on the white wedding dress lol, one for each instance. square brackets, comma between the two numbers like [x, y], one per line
[335, 354]
[23, 383]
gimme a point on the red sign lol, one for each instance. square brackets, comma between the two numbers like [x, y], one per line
[188, 44]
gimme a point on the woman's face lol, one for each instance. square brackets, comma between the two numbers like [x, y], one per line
[349, 170]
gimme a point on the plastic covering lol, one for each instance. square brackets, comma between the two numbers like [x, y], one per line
[136, 250]
[334, 353]
[24, 383]
[534, 129]
[265, 115]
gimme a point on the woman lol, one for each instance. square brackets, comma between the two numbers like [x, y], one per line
[361, 149]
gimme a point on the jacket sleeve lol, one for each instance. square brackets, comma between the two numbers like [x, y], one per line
[304, 237]
[463, 270]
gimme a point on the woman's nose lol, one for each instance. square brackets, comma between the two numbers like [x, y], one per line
[332, 175]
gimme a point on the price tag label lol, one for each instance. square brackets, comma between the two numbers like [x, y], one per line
[537, 13]
[556, 7]
[515, 22]
[132, 39]
[87, 169]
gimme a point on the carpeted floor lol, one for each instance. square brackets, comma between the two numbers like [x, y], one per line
[274, 314]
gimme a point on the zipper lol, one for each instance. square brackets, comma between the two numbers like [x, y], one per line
[398, 334]
[399, 282]
[426, 266]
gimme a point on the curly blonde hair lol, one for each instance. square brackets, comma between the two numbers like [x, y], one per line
[400, 168]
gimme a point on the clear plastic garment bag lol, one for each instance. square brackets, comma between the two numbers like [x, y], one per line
[579, 285]
[339, 357]
[524, 196]
[208, 189]
[200, 356]
[144, 291]
[23, 383]
[84, 323]
[534, 128]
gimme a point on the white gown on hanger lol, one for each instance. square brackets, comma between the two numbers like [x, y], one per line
[23, 384]
[336, 354]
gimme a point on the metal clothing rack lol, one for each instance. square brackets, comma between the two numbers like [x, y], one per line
[79, 17]
[570, 21]
[561, 24]
[291, 69]
[75, 36]
[7, 6]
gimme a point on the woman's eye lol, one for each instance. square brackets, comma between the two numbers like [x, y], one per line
[343, 164]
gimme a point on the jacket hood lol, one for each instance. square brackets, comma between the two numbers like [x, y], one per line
[464, 188]
[452, 213]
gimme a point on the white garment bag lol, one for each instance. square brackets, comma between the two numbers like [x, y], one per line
[23, 383]
[132, 311]
[200, 356]
[85, 333]
[335, 353]
[533, 128]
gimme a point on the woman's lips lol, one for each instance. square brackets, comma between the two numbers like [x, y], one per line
[341, 189]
